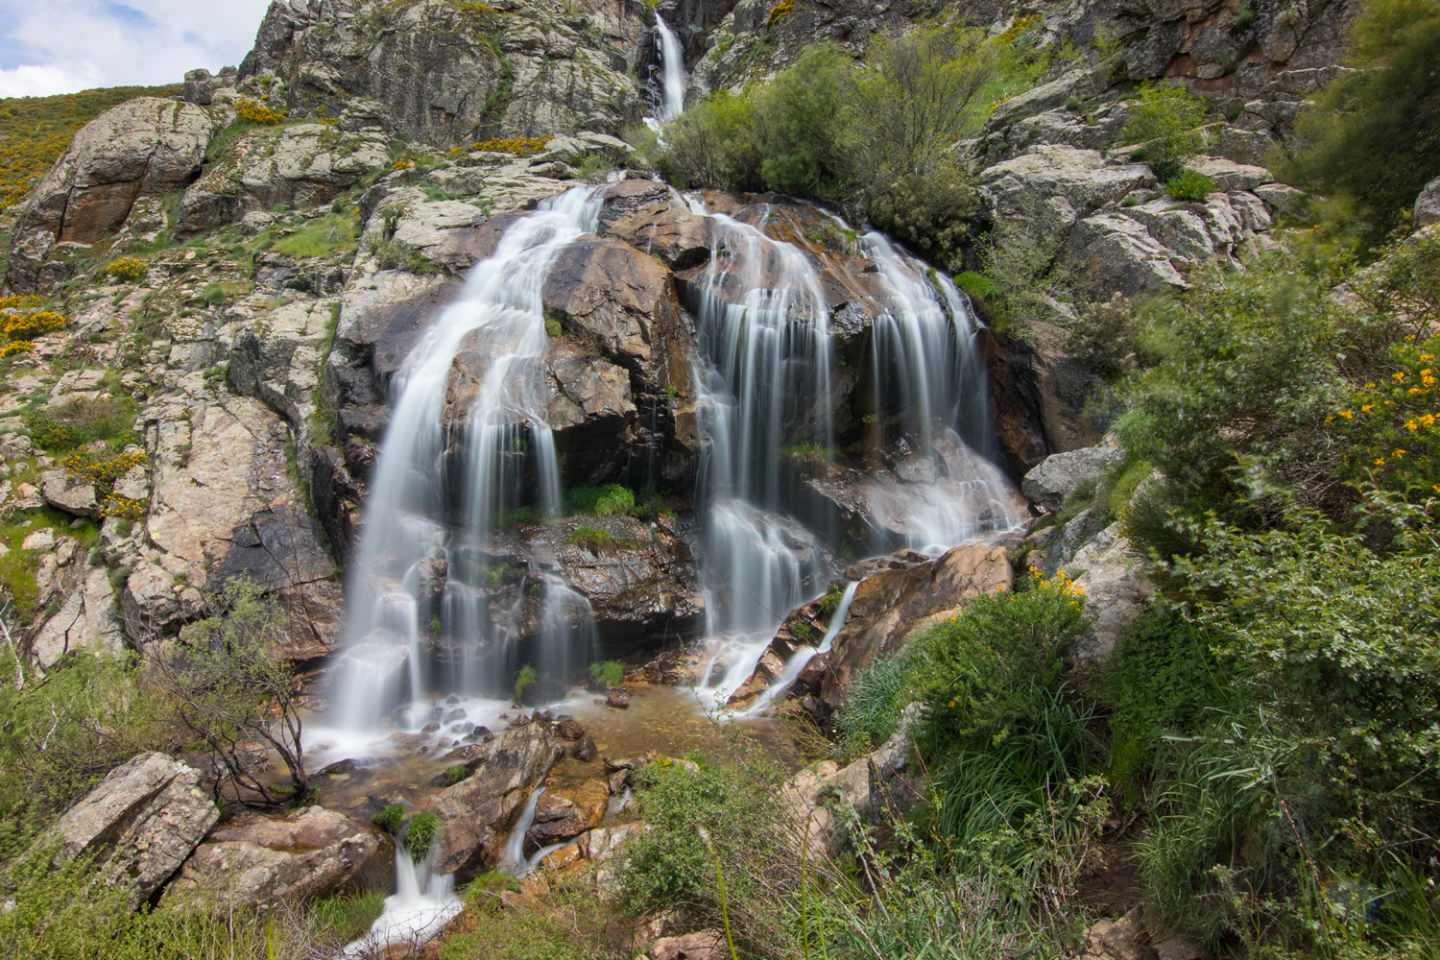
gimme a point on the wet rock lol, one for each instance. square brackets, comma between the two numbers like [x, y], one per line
[619, 698]
[264, 862]
[565, 811]
[652, 216]
[1060, 475]
[143, 147]
[889, 606]
[477, 812]
[585, 751]
[139, 823]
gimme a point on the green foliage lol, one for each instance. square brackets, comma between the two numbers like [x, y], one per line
[1392, 99]
[1165, 122]
[714, 144]
[608, 673]
[390, 818]
[830, 602]
[1021, 279]
[595, 539]
[1190, 186]
[523, 679]
[345, 918]
[455, 773]
[420, 835]
[570, 923]
[325, 236]
[35, 131]
[874, 703]
[669, 864]
[82, 421]
[998, 724]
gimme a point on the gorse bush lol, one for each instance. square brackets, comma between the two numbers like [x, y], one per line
[1189, 186]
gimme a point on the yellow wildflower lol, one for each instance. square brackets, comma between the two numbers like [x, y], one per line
[1348, 415]
[1367, 407]
[1397, 453]
[1398, 376]
[1379, 461]
[1412, 425]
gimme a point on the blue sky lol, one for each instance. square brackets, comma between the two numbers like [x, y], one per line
[59, 46]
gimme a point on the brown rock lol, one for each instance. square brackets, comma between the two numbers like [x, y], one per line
[701, 945]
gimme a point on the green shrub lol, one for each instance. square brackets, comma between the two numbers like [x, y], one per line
[1165, 121]
[603, 501]
[1190, 186]
[420, 835]
[526, 676]
[608, 673]
[81, 422]
[390, 818]
[998, 723]
[669, 864]
[322, 237]
[1394, 99]
[873, 704]
[595, 539]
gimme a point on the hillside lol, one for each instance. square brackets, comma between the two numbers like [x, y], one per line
[729, 479]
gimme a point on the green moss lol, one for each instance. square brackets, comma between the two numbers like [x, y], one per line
[390, 818]
[594, 539]
[325, 236]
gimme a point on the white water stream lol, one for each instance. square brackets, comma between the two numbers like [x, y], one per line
[423, 903]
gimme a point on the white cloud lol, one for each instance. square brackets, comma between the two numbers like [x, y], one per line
[73, 44]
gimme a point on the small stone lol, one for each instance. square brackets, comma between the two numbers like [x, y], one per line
[39, 540]
[619, 698]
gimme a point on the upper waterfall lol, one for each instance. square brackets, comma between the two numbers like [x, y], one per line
[672, 75]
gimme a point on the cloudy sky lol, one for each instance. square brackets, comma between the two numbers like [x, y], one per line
[59, 46]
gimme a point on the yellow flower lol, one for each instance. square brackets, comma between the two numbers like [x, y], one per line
[1428, 420]
[1397, 453]
[1412, 425]
[1348, 415]
[1370, 385]
[1379, 461]
[1435, 487]
[1414, 390]
[1427, 357]
[1367, 407]
[1398, 376]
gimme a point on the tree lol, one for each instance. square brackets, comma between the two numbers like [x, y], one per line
[1166, 122]
[233, 691]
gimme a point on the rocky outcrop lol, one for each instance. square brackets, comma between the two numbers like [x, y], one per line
[140, 823]
[476, 813]
[143, 147]
[1062, 474]
[445, 73]
[261, 862]
[1427, 205]
[1112, 575]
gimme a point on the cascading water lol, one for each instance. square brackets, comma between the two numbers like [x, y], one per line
[928, 373]
[419, 582]
[672, 72]
[423, 903]
[764, 334]
[802, 657]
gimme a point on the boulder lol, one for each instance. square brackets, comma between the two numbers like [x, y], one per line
[1059, 475]
[1112, 575]
[1112, 252]
[88, 620]
[1122, 939]
[73, 496]
[1229, 175]
[143, 147]
[476, 813]
[700, 945]
[565, 811]
[652, 216]
[140, 823]
[1059, 183]
[264, 862]
[890, 605]
[1427, 205]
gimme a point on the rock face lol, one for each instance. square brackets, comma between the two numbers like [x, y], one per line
[263, 862]
[1427, 205]
[144, 147]
[445, 73]
[1111, 572]
[140, 823]
[476, 813]
[1060, 475]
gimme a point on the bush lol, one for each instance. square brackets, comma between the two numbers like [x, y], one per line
[1392, 99]
[595, 539]
[81, 422]
[420, 835]
[607, 674]
[998, 725]
[28, 326]
[1190, 186]
[669, 865]
[253, 111]
[390, 818]
[1165, 121]
[873, 704]
[523, 679]
[127, 269]
[615, 500]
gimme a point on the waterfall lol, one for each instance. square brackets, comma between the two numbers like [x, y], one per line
[764, 337]
[672, 75]
[931, 384]
[423, 903]
[419, 582]
[512, 858]
[802, 657]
